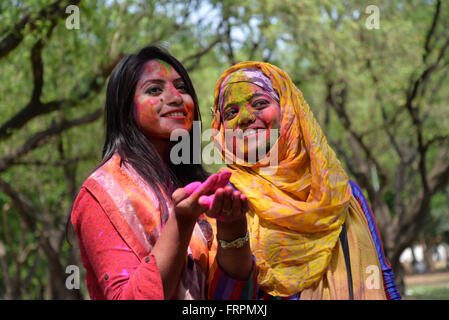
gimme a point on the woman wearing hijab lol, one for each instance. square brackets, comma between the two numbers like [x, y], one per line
[311, 229]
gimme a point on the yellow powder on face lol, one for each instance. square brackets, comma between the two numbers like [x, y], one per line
[237, 94]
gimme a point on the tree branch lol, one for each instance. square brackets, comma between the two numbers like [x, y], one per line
[197, 56]
[386, 122]
[436, 139]
[59, 163]
[36, 108]
[339, 107]
[28, 213]
[52, 12]
[431, 31]
[419, 85]
[439, 176]
[40, 138]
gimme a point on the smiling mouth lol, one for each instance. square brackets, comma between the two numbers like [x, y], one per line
[175, 114]
[251, 132]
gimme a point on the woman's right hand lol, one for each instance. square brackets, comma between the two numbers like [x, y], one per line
[229, 207]
[185, 200]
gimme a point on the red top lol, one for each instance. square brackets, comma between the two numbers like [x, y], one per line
[114, 272]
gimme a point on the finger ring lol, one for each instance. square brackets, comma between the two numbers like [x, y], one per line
[227, 211]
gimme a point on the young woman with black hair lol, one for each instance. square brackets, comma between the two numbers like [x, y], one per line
[139, 218]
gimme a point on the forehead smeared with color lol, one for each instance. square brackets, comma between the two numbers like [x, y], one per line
[165, 65]
[158, 67]
[238, 92]
[254, 76]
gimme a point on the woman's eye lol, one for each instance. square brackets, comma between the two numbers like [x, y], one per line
[181, 88]
[260, 104]
[230, 113]
[153, 90]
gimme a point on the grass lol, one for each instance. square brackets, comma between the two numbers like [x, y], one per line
[428, 292]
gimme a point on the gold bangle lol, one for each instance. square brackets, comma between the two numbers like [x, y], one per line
[237, 243]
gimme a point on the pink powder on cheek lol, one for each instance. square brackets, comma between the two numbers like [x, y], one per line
[145, 109]
[267, 115]
[270, 116]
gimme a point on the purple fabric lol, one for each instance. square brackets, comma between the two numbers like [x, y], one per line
[390, 285]
[254, 76]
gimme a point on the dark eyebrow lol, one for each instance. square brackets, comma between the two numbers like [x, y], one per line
[255, 95]
[258, 94]
[159, 81]
[178, 79]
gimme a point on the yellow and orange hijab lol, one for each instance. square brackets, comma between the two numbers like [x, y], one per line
[299, 206]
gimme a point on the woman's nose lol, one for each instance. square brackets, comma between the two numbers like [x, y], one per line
[246, 115]
[173, 96]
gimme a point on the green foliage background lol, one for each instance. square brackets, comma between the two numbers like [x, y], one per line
[325, 47]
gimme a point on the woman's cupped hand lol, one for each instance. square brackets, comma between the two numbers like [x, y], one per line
[214, 197]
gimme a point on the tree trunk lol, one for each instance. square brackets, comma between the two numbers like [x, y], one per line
[414, 260]
[429, 249]
[399, 275]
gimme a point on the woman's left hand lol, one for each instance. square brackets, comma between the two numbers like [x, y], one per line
[225, 205]
[229, 208]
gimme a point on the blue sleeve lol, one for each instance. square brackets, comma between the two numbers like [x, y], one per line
[391, 289]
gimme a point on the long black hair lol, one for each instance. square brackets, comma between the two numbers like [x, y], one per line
[124, 137]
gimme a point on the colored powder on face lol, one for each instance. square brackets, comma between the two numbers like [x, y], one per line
[167, 70]
[144, 109]
[241, 94]
[190, 110]
[148, 106]
[165, 65]
[270, 117]
[253, 76]
[238, 93]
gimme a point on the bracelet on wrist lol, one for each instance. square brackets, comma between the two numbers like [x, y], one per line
[237, 243]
